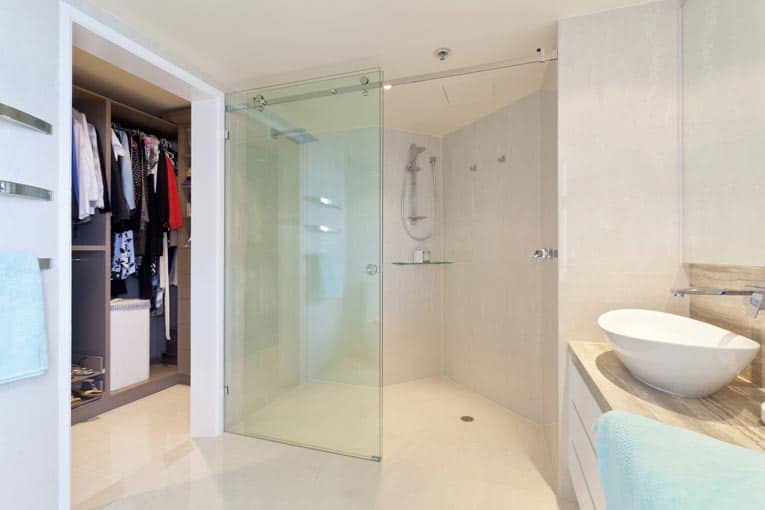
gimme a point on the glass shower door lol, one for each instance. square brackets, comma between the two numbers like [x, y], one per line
[303, 214]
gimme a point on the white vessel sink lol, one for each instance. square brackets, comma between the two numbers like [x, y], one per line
[676, 354]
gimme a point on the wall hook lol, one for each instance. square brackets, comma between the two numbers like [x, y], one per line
[502, 158]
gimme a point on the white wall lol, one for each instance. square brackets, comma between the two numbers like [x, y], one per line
[620, 190]
[207, 263]
[412, 295]
[32, 434]
[492, 224]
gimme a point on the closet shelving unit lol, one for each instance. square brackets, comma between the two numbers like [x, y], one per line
[91, 266]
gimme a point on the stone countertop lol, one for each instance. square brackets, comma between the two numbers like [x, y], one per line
[731, 415]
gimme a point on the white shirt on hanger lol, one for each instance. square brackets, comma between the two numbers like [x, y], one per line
[97, 164]
[87, 183]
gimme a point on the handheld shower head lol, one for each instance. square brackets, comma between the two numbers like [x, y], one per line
[414, 153]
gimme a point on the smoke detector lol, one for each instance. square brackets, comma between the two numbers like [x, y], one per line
[442, 53]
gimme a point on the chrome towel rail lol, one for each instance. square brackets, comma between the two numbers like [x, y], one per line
[28, 120]
[25, 190]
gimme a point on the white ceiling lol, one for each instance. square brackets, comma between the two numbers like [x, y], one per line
[246, 43]
[242, 44]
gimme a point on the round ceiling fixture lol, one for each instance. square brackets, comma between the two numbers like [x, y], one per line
[442, 53]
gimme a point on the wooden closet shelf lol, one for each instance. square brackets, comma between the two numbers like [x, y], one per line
[88, 247]
[86, 401]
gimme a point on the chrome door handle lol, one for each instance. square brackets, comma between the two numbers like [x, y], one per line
[371, 269]
[545, 253]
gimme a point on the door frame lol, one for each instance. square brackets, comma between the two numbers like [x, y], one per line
[111, 43]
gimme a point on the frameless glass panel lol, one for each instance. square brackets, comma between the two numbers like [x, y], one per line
[303, 173]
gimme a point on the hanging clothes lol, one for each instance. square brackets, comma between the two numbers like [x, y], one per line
[88, 174]
[138, 171]
[123, 255]
[145, 208]
[158, 207]
[146, 270]
[151, 154]
[126, 170]
[100, 148]
[175, 214]
[98, 166]
[141, 216]
[164, 285]
[75, 178]
[120, 209]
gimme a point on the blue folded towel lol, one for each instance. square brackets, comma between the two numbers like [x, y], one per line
[23, 344]
[646, 465]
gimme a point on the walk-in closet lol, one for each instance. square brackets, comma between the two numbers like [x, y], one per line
[131, 238]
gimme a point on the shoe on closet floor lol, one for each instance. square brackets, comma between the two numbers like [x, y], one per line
[89, 390]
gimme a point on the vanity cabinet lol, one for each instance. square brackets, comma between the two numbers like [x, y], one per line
[583, 412]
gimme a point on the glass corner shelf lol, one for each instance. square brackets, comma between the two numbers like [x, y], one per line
[431, 263]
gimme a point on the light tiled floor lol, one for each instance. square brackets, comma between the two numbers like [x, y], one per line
[139, 457]
[333, 416]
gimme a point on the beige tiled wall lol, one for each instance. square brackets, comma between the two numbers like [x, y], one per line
[549, 214]
[492, 292]
[412, 295]
[620, 180]
[724, 119]
[730, 312]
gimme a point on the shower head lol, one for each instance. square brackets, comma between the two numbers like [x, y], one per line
[414, 152]
[299, 136]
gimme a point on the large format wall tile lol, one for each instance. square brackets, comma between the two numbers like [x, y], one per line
[412, 295]
[492, 223]
[620, 179]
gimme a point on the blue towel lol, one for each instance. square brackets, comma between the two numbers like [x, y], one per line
[646, 465]
[23, 344]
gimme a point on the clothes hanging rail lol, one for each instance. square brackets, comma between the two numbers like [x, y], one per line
[165, 142]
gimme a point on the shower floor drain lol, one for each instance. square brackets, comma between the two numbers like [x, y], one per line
[467, 418]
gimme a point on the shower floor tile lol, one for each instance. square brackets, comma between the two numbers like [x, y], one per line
[332, 416]
[140, 457]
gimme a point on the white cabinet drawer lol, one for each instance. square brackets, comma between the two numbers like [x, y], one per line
[586, 457]
[577, 478]
[588, 408]
[583, 413]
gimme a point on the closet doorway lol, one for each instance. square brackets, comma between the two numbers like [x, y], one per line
[131, 237]
[203, 400]
[133, 322]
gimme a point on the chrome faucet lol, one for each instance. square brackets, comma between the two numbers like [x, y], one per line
[755, 301]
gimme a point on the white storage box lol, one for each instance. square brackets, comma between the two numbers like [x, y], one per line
[129, 341]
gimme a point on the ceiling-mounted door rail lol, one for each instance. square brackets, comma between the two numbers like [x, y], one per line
[24, 190]
[260, 102]
[16, 115]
